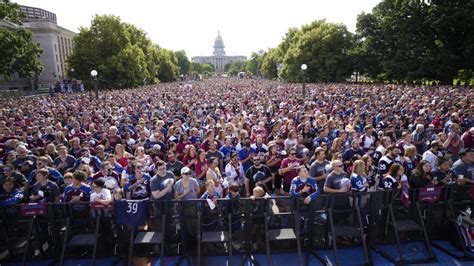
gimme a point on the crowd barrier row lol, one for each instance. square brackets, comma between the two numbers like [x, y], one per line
[125, 228]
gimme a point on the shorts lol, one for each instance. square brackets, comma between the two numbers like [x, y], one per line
[286, 187]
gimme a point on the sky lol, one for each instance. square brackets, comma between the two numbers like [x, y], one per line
[246, 26]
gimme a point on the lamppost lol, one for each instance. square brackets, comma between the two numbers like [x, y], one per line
[94, 79]
[72, 74]
[303, 72]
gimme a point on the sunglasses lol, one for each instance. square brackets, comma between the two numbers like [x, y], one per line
[293, 153]
[187, 173]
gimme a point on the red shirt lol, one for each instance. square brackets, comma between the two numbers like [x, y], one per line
[288, 176]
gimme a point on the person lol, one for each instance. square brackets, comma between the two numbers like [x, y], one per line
[380, 151]
[12, 193]
[319, 168]
[187, 187]
[367, 140]
[337, 181]
[109, 176]
[454, 143]
[391, 181]
[410, 159]
[305, 187]
[432, 154]
[354, 150]
[443, 174]
[78, 191]
[64, 162]
[162, 182]
[213, 152]
[245, 154]
[421, 177]
[214, 174]
[210, 207]
[10, 172]
[257, 173]
[174, 165]
[44, 190]
[273, 162]
[54, 174]
[200, 169]
[100, 194]
[138, 185]
[388, 160]
[289, 169]
[464, 166]
[359, 177]
[234, 171]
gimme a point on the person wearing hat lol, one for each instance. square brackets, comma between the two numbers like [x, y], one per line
[464, 166]
[187, 187]
[12, 193]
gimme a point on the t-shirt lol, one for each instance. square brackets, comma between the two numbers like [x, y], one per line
[244, 153]
[388, 183]
[130, 212]
[288, 176]
[104, 194]
[84, 192]
[318, 169]
[141, 191]
[158, 183]
[193, 184]
[49, 191]
[334, 180]
[175, 167]
[465, 169]
[255, 175]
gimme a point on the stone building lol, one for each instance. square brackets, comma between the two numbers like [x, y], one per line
[219, 59]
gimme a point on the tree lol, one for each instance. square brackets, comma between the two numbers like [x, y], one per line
[183, 62]
[18, 52]
[323, 47]
[122, 54]
[254, 64]
[234, 67]
[406, 41]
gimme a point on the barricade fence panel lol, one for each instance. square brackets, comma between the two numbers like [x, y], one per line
[249, 222]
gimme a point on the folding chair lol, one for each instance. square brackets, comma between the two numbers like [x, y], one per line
[17, 218]
[353, 228]
[399, 219]
[291, 233]
[461, 197]
[80, 215]
[219, 236]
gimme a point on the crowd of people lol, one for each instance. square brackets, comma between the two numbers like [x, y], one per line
[232, 138]
[227, 137]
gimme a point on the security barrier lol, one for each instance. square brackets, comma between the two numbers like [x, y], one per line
[243, 226]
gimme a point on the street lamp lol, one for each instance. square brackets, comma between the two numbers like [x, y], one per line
[303, 72]
[94, 78]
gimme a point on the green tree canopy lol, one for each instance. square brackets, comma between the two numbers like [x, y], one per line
[323, 47]
[183, 62]
[406, 41]
[122, 54]
[18, 52]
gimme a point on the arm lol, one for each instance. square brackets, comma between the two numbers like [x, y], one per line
[331, 190]
[315, 194]
[293, 193]
[157, 194]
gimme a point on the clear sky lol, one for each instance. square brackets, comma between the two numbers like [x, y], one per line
[191, 25]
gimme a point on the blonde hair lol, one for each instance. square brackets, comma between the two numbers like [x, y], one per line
[410, 151]
[359, 168]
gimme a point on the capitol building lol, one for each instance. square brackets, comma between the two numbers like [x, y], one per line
[218, 58]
